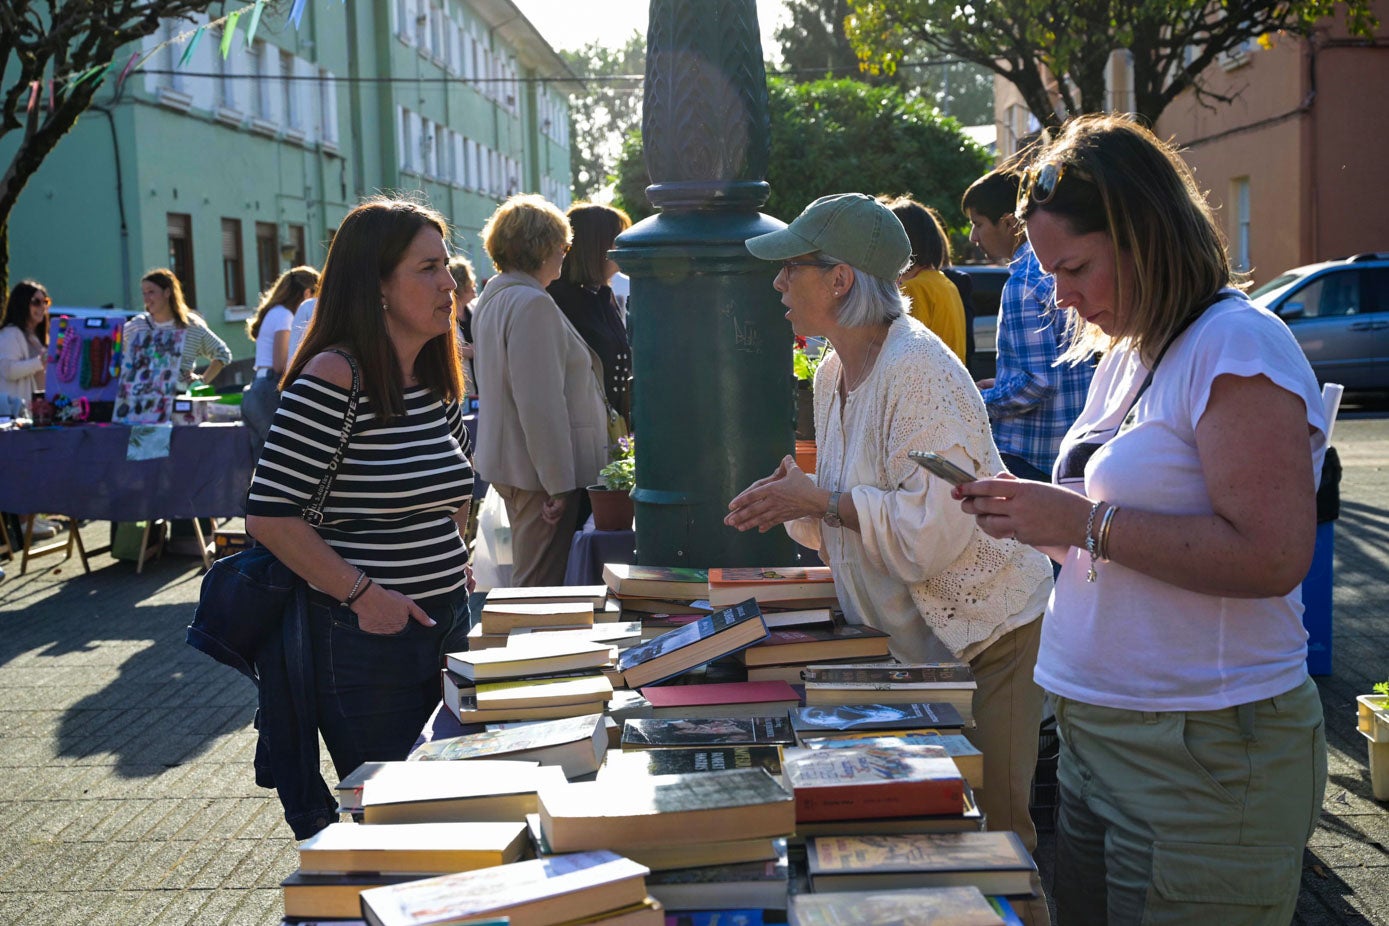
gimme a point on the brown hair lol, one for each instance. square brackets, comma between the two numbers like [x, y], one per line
[368, 247]
[595, 228]
[164, 278]
[1120, 179]
[462, 270]
[17, 308]
[289, 290]
[993, 195]
[523, 233]
[930, 247]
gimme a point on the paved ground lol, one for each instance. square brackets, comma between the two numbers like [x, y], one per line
[128, 796]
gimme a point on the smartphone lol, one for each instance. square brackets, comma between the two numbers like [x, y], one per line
[937, 465]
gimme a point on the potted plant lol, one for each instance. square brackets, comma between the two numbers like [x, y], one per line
[1373, 721]
[611, 497]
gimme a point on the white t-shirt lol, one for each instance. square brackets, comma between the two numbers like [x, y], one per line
[276, 320]
[302, 316]
[1130, 641]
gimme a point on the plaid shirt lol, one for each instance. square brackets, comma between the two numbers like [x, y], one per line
[1033, 402]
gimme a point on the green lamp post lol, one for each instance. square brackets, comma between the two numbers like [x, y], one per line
[713, 402]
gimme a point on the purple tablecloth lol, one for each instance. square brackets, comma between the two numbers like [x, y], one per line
[591, 548]
[82, 472]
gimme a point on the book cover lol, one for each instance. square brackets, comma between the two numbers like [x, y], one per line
[938, 906]
[971, 821]
[710, 695]
[815, 644]
[855, 717]
[535, 692]
[595, 595]
[965, 754]
[688, 761]
[350, 788]
[336, 895]
[868, 782]
[640, 812]
[503, 617]
[715, 918]
[567, 886]
[473, 792]
[790, 583]
[681, 854]
[677, 651]
[762, 885]
[889, 677]
[994, 862]
[761, 575]
[427, 848]
[547, 657]
[647, 732]
[655, 581]
[576, 744]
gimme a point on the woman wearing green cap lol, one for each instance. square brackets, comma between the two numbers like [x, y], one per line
[906, 559]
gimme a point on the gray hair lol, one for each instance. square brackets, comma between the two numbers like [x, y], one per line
[871, 300]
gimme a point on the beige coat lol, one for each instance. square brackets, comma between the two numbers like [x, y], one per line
[542, 422]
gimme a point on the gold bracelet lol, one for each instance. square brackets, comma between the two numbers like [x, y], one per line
[1090, 542]
[1103, 544]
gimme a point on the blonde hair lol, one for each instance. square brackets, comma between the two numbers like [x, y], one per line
[292, 288]
[1120, 179]
[524, 232]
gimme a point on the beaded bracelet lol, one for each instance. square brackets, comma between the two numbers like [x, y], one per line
[351, 601]
[1103, 543]
[356, 588]
[1091, 544]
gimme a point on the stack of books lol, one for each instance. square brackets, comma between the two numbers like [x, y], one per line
[798, 587]
[538, 680]
[949, 906]
[442, 792]
[575, 744]
[697, 643]
[542, 607]
[992, 862]
[892, 683]
[788, 652]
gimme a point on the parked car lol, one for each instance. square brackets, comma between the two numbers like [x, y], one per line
[984, 301]
[1339, 312]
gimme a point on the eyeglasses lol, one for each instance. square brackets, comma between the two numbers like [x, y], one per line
[788, 266]
[40, 299]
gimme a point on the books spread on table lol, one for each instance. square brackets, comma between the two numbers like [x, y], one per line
[429, 848]
[939, 906]
[503, 617]
[309, 894]
[539, 691]
[994, 862]
[537, 892]
[658, 732]
[865, 782]
[781, 584]
[683, 761]
[759, 885]
[575, 744]
[542, 658]
[473, 792]
[674, 652]
[594, 595]
[827, 720]
[967, 756]
[949, 683]
[676, 853]
[635, 812]
[814, 644]
[351, 787]
[671, 582]
[722, 699]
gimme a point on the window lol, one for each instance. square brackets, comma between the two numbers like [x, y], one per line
[298, 243]
[289, 93]
[402, 18]
[267, 254]
[441, 152]
[1242, 224]
[173, 51]
[260, 87]
[328, 107]
[233, 265]
[181, 253]
[227, 83]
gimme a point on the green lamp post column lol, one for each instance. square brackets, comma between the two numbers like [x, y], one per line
[713, 404]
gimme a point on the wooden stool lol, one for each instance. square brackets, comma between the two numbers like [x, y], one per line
[6, 549]
[64, 546]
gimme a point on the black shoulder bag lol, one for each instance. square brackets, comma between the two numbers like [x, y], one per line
[243, 596]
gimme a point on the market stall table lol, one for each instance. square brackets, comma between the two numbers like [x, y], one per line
[82, 472]
[591, 548]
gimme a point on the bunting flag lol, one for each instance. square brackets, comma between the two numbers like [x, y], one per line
[228, 31]
[192, 44]
[52, 102]
[255, 21]
[296, 12]
[125, 71]
[33, 96]
[99, 72]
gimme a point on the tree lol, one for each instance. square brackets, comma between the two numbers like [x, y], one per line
[604, 115]
[55, 55]
[1055, 53]
[837, 136]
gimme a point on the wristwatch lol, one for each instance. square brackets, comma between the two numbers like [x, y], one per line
[831, 515]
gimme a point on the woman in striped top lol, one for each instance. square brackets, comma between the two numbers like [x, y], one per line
[387, 567]
[166, 308]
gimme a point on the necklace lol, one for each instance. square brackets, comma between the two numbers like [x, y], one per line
[863, 368]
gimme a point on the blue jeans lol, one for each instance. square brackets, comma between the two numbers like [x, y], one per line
[259, 402]
[374, 692]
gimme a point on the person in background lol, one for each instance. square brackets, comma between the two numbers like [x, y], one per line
[1193, 755]
[387, 568]
[302, 316]
[584, 295]
[1033, 399]
[23, 359]
[463, 298]
[270, 330]
[165, 308]
[542, 421]
[905, 559]
[935, 302]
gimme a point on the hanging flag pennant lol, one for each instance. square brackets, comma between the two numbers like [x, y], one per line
[255, 21]
[296, 12]
[125, 71]
[33, 95]
[192, 44]
[52, 104]
[99, 72]
[229, 30]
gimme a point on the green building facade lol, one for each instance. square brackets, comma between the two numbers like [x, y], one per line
[233, 170]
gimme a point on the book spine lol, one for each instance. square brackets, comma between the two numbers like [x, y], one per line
[876, 801]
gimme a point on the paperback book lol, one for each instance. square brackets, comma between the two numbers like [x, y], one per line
[350, 788]
[827, 720]
[674, 582]
[763, 885]
[574, 744]
[994, 862]
[545, 658]
[723, 699]
[966, 755]
[647, 762]
[781, 584]
[677, 651]
[659, 732]
[595, 596]
[503, 617]
[867, 782]
[419, 848]
[938, 906]
[472, 793]
[814, 644]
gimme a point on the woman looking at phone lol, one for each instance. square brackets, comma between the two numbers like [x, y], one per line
[1193, 759]
[905, 559]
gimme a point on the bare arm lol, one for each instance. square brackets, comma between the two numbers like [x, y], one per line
[281, 351]
[1258, 541]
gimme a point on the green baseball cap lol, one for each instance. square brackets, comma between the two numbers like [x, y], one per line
[851, 227]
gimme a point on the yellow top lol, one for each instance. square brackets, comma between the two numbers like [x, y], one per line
[936, 304]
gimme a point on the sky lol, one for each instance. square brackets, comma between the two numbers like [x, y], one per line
[574, 23]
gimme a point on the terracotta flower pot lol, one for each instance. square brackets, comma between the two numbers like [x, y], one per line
[805, 411]
[612, 508]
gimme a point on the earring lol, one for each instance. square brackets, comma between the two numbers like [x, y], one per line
[384, 307]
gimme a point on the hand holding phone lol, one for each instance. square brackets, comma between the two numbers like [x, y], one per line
[937, 465]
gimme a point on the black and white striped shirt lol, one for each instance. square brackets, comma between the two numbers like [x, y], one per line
[389, 511]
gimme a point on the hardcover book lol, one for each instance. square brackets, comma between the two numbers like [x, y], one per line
[938, 906]
[635, 812]
[866, 782]
[428, 848]
[788, 583]
[678, 582]
[576, 744]
[826, 720]
[539, 892]
[677, 651]
[994, 862]
[657, 732]
[813, 644]
[545, 658]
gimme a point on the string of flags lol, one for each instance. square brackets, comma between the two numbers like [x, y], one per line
[227, 24]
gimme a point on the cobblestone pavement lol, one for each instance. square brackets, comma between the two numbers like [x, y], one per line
[128, 793]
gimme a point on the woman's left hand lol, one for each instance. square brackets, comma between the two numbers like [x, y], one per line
[786, 495]
[1038, 514]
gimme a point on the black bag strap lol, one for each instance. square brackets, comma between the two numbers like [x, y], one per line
[313, 513]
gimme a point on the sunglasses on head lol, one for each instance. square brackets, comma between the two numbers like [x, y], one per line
[40, 299]
[1039, 182]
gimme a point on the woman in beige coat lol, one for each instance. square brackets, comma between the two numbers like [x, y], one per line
[542, 422]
